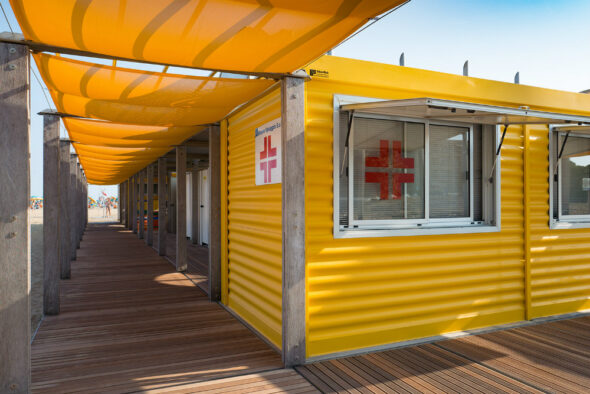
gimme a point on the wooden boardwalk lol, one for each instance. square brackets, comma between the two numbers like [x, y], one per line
[130, 323]
[546, 358]
[198, 259]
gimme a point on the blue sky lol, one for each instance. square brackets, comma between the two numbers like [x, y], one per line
[546, 40]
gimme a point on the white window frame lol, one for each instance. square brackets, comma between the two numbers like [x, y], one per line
[407, 227]
[562, 221]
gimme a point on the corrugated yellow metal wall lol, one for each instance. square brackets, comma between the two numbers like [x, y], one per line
[368, 292]
[254, 225]
[559, 258]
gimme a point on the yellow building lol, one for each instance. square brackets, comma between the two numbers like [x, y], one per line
[434, 203]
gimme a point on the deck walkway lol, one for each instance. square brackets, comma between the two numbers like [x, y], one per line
[130, 323]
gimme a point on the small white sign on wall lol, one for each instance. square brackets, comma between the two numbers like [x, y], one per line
[268, 153]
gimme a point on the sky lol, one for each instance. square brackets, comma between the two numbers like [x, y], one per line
[545, 40]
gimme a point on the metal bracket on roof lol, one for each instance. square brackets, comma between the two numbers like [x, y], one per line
[57, 113]
[40, 47]
[491, 177]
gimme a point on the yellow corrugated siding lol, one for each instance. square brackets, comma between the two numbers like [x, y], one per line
[367, 292]
[254, 225]
[560, 259]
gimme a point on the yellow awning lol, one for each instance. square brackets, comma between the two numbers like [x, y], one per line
[276, 36]
[117, 135]
[137, 97]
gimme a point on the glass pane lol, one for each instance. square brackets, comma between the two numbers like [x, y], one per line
[388, 169]
[449, 171]
[575, 176]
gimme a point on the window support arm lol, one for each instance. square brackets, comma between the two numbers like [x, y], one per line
[567, 135]
[491, 177]
[344, 156]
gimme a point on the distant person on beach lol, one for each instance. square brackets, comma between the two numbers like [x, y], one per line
[107, 205]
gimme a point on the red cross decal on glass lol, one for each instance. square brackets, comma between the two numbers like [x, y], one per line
[382, 178]
[267, 163]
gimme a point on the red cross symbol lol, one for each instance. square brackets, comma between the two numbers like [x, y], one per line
[382, 178]
[268, 164]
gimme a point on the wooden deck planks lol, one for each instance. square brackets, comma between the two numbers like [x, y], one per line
[198, 260]
[549, 357]
[278, 381]
[130, 323]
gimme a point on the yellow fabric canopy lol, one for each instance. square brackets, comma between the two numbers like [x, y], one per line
[116, 135]
[276, 36]
[140, 97]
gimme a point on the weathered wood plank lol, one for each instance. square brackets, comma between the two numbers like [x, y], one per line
[64, 209]
[141, 199]
[214, 214]
[162, 206]
[51, 215]
[293, 189]
[73, 205]
[149, 236]
[15, 261]
[181, 257]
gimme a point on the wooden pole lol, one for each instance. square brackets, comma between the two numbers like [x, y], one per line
[181, 252]
[149, 239]
[64, 209]
[51, 215]
[162, 209]
[134, 203]
[128, 199]
[80, 191]
[79, 219]
[15, 256]
[73, 200]
[141, 198]
[123, 203]
[119, 192]
[214, 214]
[196, 207]
[293, 189]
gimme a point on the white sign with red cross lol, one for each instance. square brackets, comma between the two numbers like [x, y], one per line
[268, 153]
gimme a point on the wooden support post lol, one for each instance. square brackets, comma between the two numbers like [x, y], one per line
[162, 208]
[196, 208]
[293, 189]
[78, 206]
[123, 203]
[149, 238]
[119, 217]
[214, 215]
[15, 256]
[85, 202]
[73, 200]
[64, 209]
[181, 252]
[128, 200]
[141, 198]
[134, 203]
[51, 215]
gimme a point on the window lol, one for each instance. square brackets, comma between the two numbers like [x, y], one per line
[570, 183]
[405, 176]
